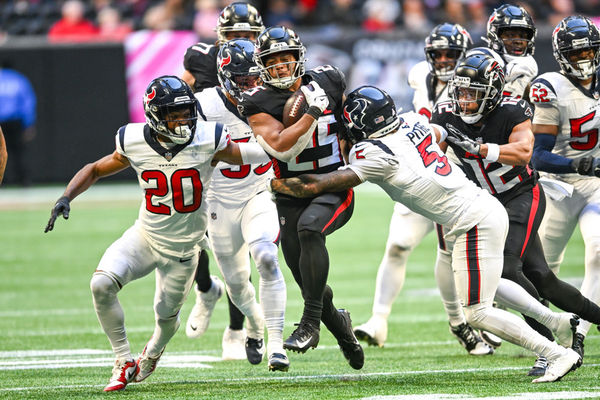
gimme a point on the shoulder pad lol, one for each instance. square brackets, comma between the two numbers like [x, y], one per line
[542, 91]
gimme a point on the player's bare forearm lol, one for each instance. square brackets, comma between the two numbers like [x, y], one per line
[310, 185]
[90, 173]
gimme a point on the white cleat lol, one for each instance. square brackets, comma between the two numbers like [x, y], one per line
[567, 327]
[374, 331]
[559, 367]
[234, 344]
[199, 318]
[123, 373]
[146, 365]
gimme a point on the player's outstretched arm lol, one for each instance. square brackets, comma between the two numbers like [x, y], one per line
[83, 179]
[310, 185]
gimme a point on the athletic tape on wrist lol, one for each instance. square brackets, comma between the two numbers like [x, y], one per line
[493, 152]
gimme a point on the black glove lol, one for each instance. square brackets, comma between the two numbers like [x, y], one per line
[61, 207]
[587, 165]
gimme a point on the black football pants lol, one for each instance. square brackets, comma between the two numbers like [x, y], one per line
[304, 225]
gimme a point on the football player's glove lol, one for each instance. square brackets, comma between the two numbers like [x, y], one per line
[462, 141]
[61, 207]
[316, 98]
[587, 165]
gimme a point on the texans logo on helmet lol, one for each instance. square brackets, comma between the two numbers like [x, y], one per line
[225, 61]
[356, 115]
[149, 96]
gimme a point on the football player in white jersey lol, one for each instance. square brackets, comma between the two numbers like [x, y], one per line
[243, 217]
[173, 156]
[237, 20]
[566, 124]
[401, 155]
[445, 45]
[511, 34]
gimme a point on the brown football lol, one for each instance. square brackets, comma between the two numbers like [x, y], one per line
[294, 108]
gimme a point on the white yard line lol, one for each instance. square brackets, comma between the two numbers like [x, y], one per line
[356, 376]
[516, 396]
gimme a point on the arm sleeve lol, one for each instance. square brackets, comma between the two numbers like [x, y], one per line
[120, 141]
[544, 159]
[546, 114]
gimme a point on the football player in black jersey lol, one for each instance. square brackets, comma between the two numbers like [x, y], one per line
[237, 20]
[305, 146]
[493, 139]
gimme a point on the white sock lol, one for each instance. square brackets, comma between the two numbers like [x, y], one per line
[110, 313]
[444, 277]
[513, 296]
[512, 329]
[390, 279]
[164, 329]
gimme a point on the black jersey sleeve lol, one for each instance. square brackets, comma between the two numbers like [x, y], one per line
[201, 61]
[511, 112]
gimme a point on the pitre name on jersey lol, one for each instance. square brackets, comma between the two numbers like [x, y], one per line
[323, 153]
[502, 181]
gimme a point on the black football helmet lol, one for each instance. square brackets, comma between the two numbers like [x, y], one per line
[479, 79]
[509, 16]
[369, 112]
[576, 33]
[166, 95]
[238, 17]
[236, 68]
[451, 37]
[279, 39]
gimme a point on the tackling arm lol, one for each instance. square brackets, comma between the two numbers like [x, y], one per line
[310, 185]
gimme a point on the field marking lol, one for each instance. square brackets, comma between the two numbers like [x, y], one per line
[516, 396]
[356, 376]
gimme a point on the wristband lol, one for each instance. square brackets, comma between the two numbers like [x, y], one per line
[314, 112]
[493, 152]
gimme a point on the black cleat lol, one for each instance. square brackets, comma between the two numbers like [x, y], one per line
[255, 349]
[278, 362]
[348, 343]
[539, 367]
[577, 345]
[305, 336]
[471, 340]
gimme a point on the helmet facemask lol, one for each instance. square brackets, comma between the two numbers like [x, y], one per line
[280, 57]
[236, 68]
[240, 18]
[445, 45]
[443, 61]
[275, 74]
[476, 87]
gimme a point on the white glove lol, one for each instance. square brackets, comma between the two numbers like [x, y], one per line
[521, 68]
[315, 96]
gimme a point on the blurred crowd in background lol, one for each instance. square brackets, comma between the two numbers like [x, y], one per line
[113, 20]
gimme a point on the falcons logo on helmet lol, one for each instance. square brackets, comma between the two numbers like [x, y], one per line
[356, 115]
